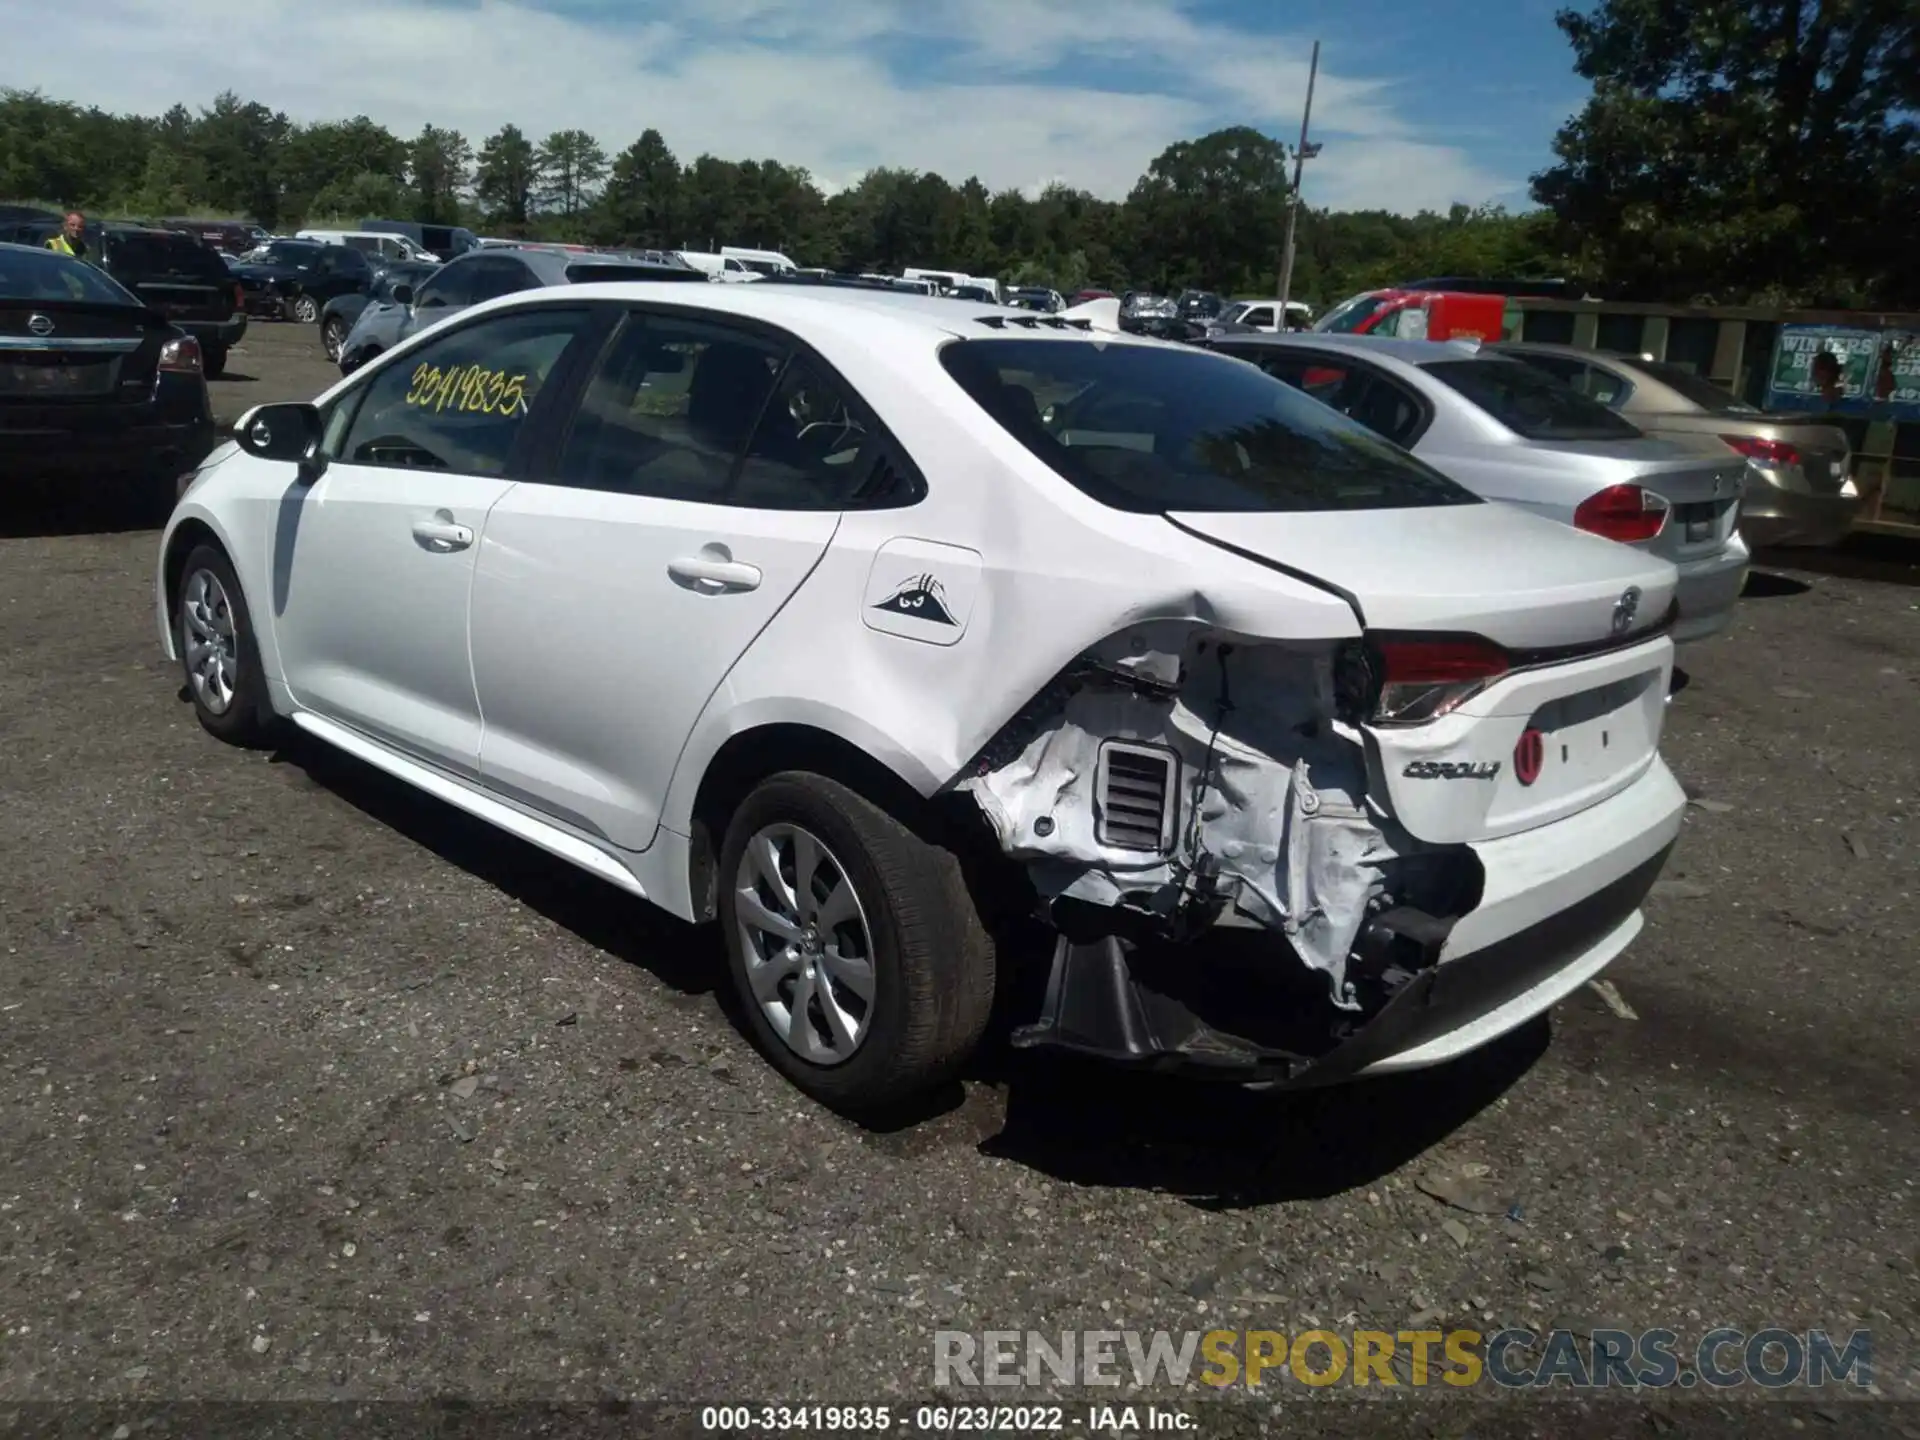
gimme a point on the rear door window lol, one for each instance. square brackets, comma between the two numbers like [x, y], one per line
[1530, 403]
[1149, 428]
[670, 410]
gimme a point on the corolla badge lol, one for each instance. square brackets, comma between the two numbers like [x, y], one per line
[1625, 608]
[40, 324]
[922, 597]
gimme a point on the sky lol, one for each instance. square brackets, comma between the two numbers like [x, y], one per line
[1419, 104]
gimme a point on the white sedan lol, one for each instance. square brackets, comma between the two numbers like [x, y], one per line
[867, 624]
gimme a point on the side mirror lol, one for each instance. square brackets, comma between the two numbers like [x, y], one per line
[287, 432]
[402, 293]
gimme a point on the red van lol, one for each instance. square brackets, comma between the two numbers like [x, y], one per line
[1418, 315]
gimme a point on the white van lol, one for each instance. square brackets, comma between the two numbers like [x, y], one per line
[761, 262]
[718, 267]
[386, 247]
[947, 280]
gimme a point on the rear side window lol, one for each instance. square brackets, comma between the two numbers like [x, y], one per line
[156, 257]
[1148, 429]
[43, 275]
[1530, 402]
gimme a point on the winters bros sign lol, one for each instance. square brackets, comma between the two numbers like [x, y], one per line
[1720, 1359]
[1879, 372]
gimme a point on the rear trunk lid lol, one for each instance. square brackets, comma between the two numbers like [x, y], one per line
[1491, 569]
[1585, 695]
[1701, 482]
[56, 354]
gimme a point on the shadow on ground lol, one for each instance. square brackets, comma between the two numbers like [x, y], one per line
[1771, 585]
[1890, 559]
[106, 509]
[684, 957]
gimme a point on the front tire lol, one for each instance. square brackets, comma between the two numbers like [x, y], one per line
[333, 335]
[862, 967]
[219, 658]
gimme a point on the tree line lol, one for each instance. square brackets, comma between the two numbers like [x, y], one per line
[1759, 151]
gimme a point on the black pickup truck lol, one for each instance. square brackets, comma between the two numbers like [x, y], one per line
[173, 274]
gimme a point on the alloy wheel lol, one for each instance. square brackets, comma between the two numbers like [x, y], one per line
[807, 947]
[208, 643]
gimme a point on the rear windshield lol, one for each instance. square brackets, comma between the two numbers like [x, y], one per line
[1349, 315]
[42, 275]
[172, 257]
[1147, 428]
[1695, 389]
[588, 274]
[1530, 402]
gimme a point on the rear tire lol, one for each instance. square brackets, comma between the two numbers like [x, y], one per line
[905, 927]
[213, 360]
[219, 659]
[304, 308]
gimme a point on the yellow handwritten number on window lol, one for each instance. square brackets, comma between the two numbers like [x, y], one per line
[467, 390]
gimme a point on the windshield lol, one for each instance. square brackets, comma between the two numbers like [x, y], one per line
[1349, 315]
[1231, 315]
[1148, 429]
[1695, 389]
[43, 275]
[1529, 402]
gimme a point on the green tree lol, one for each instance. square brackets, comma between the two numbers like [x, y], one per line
[641, 202]
[240, 145]
[327, 158]
[572, 165]
[1212, 211]
[1738, 149]
[439, 164]
[506, 178]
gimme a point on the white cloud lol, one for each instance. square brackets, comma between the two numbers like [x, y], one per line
[1015, 92]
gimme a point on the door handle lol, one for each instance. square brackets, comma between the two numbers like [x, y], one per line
[443, 534]
[714, 577]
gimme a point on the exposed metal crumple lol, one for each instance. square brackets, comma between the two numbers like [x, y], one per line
[1270, 795]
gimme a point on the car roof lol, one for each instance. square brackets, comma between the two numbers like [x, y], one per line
[1406, 352]
[798, 307]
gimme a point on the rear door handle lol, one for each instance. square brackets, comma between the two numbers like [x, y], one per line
[714, 577]
[443, 534]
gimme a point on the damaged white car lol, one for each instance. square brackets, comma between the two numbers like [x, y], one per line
[878, 627]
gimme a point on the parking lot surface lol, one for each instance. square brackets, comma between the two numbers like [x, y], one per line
[312, 1088]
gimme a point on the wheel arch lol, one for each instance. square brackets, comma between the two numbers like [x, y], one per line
[752, 754]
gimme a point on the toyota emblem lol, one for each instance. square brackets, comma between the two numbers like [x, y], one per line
[40, 324]
[1625, 608]
[1528, 756]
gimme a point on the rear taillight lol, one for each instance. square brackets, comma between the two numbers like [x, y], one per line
[1626, 513]
[1764, 452]
[239, 296]
[181, 357]
[1420, 680]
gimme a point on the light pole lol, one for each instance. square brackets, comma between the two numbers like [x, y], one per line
[1302, 153]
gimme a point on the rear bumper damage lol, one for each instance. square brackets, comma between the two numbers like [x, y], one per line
[1229, 902]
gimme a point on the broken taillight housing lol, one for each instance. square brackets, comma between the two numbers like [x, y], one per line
[1626, 513]
[1423, 679]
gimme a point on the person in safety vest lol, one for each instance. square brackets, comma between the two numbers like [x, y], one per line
[72, 239]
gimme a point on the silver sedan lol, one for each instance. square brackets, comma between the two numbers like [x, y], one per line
[1510, 432]
[486, 275]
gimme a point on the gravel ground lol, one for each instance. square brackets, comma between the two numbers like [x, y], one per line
[311, 1089]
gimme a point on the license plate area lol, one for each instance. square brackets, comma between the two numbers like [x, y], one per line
[53, 375]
